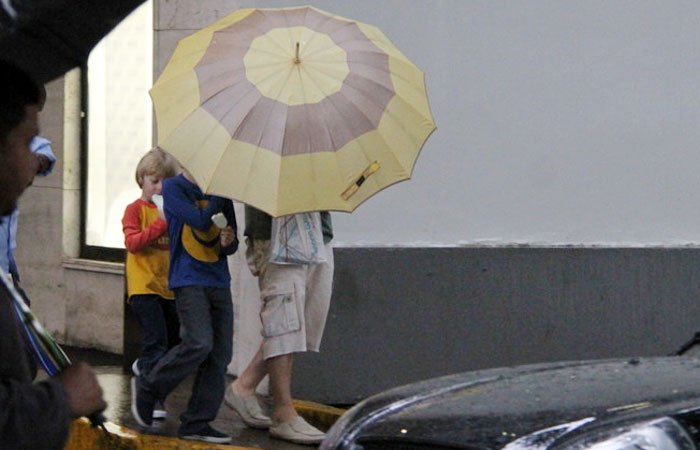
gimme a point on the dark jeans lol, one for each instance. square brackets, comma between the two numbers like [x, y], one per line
[159, 323]
[206, 333]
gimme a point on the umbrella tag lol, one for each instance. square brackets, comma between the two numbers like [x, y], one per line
[350, 191]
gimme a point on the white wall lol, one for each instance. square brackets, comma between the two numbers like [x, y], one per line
[559, 122]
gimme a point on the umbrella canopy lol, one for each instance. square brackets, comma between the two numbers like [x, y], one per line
[47, 38]
[292, 110]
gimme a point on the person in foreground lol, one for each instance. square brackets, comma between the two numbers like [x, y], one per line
[32, 415]
[44, 161]
[286, 329]
[200, 278]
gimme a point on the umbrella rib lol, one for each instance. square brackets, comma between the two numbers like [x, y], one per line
[394, 73]
[324, 118]
[336, 42]
[416, 89]
[220, 89]
[178, 55]
[283, 51]
[398, 122]
[318, 86]
[232, 104]
[288, 28]
[308, 153]
[402, 126]
[275, 43]
[267, 118]
[256, 155]
[315, 33]
[418, 113]
[372, 98]
[356, 141]
[272, 75]
[369, 158]
[186, 163]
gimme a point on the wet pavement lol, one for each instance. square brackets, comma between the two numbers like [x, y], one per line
[116, 385]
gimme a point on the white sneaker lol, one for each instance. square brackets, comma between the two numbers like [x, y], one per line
[135, 368]
[159, 411]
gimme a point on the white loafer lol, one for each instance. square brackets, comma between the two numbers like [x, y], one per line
[248, 409]
[298, 431]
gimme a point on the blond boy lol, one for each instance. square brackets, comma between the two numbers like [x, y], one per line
[147, 262]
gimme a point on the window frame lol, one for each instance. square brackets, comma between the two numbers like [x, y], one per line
[92, 252]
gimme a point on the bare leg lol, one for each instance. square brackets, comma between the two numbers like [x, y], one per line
[280, 370]
[286, 423]
[248, 381]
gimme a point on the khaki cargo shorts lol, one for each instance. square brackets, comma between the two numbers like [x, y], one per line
[295, 300]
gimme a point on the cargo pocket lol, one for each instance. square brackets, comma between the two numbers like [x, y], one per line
[279, 315]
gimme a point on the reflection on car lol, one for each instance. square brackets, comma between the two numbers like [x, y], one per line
[645, 403]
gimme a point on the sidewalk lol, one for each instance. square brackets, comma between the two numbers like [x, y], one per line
[126, 433]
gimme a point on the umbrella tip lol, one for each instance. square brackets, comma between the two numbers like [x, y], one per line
[296, 57]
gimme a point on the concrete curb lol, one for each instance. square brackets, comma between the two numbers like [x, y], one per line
[83, 436]
[320, 414]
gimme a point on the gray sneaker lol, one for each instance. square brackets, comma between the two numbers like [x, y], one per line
[248, 409]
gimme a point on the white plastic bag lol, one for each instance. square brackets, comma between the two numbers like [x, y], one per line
[297, 239]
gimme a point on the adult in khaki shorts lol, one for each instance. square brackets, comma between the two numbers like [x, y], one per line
[295, 302]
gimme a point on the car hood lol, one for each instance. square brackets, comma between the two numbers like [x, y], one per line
[493, 408]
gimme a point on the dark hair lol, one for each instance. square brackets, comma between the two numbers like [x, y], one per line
[17, 90]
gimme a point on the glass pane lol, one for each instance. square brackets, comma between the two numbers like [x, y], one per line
[120, 73]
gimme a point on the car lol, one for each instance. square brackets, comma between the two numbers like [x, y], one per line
[632, 403]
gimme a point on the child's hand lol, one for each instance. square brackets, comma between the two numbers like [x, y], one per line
[227, 236]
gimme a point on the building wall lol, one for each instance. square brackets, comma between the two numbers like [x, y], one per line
[39, 239]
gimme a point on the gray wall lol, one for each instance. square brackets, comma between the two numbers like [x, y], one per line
[402, 315]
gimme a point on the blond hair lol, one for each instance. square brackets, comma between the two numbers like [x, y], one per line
[156, 162]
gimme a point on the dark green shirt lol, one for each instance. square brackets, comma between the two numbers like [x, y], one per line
[258, 224]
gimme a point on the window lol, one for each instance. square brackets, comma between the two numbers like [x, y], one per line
[117, 130]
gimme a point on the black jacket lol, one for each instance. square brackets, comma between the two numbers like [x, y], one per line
[32, 415]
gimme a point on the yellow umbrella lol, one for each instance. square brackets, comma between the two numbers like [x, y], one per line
[292, 110]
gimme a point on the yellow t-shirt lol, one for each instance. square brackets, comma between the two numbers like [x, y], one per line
[147, 243]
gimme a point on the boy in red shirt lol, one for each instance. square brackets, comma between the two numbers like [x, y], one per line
[147, 262]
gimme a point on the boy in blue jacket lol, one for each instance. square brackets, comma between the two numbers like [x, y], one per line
[200, 278]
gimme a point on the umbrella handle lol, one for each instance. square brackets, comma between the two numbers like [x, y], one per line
[350, 191]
